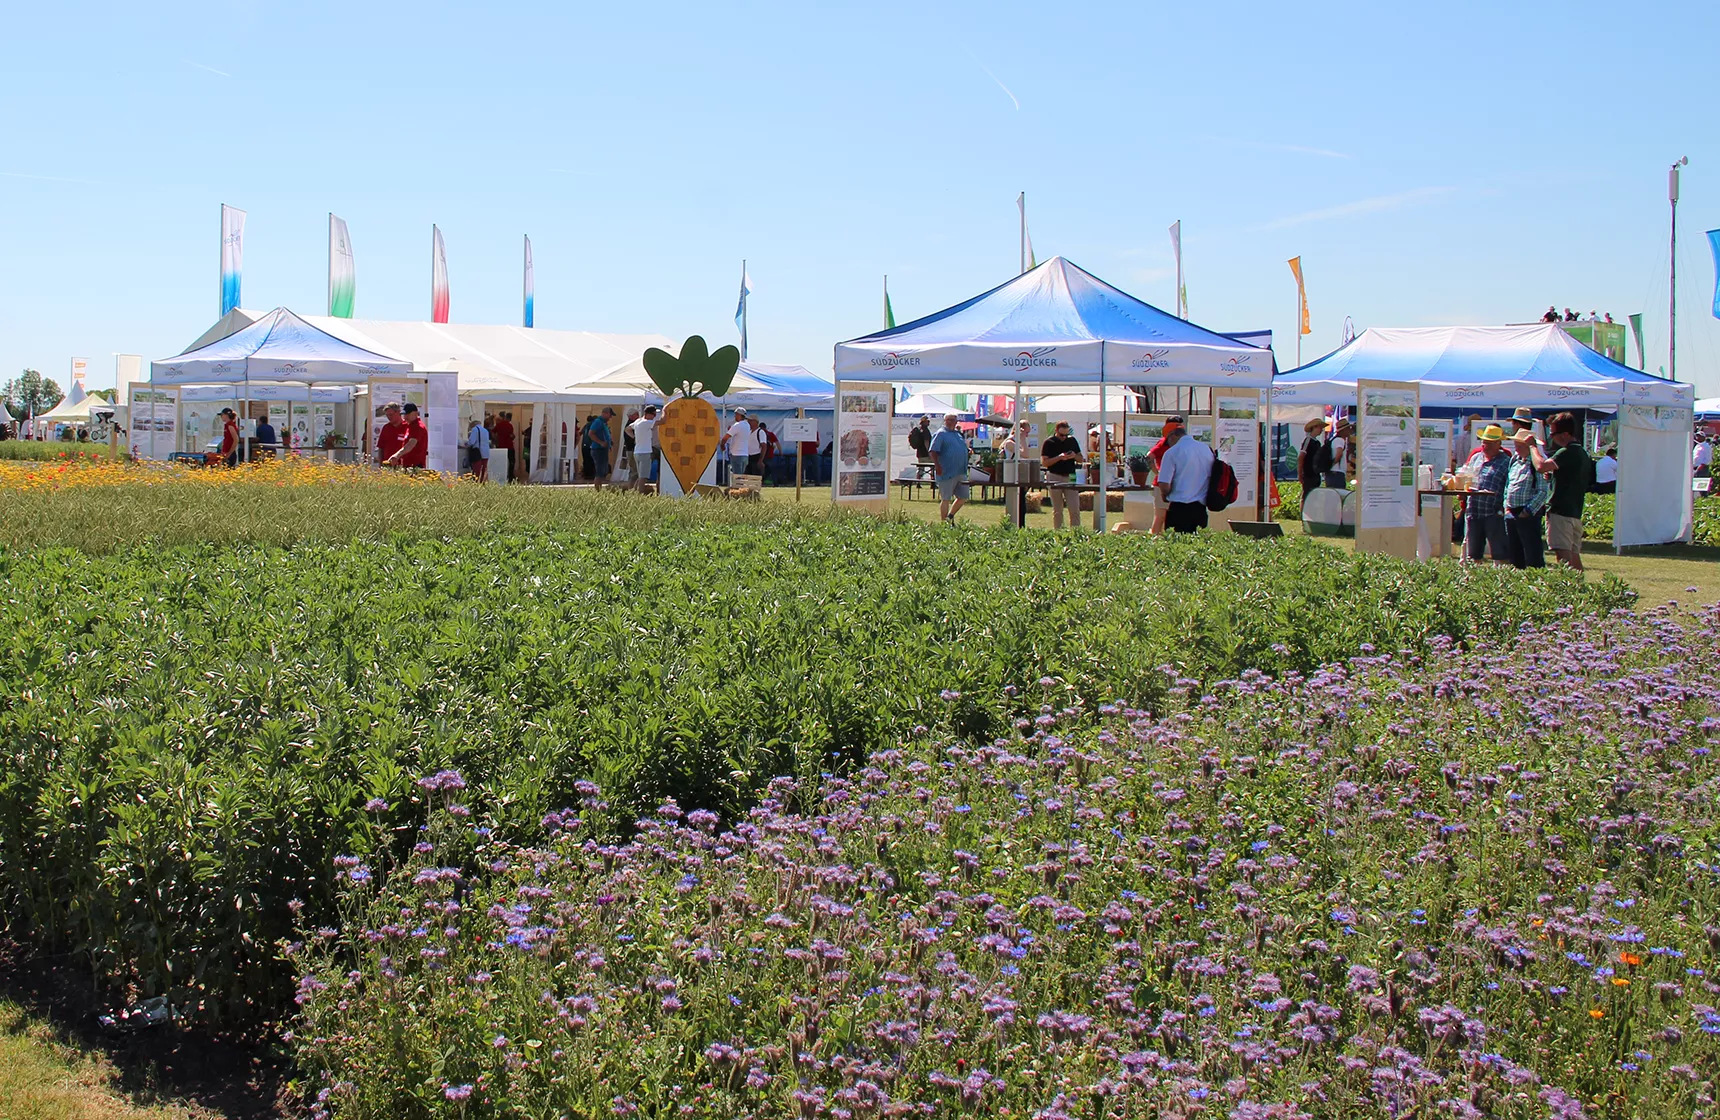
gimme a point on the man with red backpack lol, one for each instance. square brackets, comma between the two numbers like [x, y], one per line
[1185, 474]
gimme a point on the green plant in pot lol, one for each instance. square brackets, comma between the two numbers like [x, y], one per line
[1139, 465]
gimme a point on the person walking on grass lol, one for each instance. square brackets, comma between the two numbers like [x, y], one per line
[1573, 473]
[1526, 498]
[1484, 506]
[950, 465]
[601, 444]
[1184, 472]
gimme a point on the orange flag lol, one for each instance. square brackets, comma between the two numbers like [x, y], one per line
[1301, 292]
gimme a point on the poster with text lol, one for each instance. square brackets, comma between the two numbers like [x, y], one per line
[862, 441]
[1436, 445]
[1389, 446]
[298, 435]
[442, 417]
[322, 424]
[154, 415]
[1238, 434]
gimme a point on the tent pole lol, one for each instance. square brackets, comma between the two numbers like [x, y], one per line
[1104, 447]
[1021, 471]
[1264, 495]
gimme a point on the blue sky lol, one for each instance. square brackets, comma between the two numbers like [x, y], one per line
[1431, 164]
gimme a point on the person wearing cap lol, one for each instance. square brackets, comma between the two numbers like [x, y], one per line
[1484, 507]
[1308, 460]
[645, 458]
[920, 440]
[229, 437]
[1184, 472]
[742, 444]
[602, 442]
[1059, 456]
[950, 461]
[1526, 498]
[415, 454]
[1573, 472]
[1338, 475]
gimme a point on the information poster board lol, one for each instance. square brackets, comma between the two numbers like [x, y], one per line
[903, 462]
[384, 392]
[863, 443]
[1238, 434]
[1388, 450]
[797, 429]
[154, 418]
[1436, 445]
[442, 417]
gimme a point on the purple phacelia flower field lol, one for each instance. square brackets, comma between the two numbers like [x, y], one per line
[1479, 881]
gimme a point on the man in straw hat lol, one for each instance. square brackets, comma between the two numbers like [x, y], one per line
[1526, 498]
[1484, 509]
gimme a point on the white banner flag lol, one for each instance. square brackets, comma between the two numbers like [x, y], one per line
[529, 284]
[1176, 251]
[438, 278]
[342, 274]
[232, 255]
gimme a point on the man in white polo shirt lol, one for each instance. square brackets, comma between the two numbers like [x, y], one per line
[743, 444]
[645, 449]
[1183, 476]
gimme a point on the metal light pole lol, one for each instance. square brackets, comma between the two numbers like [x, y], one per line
[1672, 309]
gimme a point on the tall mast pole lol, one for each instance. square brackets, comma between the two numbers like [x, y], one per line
[1672, 302]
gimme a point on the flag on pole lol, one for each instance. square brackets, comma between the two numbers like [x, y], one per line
[1028, 259]
[75, 391]
[1301, 294]
[1176, 250]
[889, 312]
[530, 283]
[438, 278]
[342, 276]
[1714, 244]
[1636, 329]
[232, 255]
[741, 309]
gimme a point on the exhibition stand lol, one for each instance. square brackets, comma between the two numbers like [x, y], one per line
[1054, 328]
[1497, 369]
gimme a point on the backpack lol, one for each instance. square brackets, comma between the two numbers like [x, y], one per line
[917, 440]
[1221, 486]
[1323, 458]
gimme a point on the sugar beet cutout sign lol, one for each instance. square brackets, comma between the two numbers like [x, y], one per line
[689, 430]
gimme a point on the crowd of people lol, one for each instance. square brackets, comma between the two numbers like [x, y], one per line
[1551, 315]
[1527, 499]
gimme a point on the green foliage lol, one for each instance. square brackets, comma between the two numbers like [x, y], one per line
[47, 451]
[30, 394]
[695, 371]
[191, 731]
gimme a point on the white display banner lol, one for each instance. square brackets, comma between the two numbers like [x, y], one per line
[442, 417]
[1435, 445]
[1389, 446]
[322, 424]
[904, 463]
[862, 441]
[1238, 429]
[297, 435]
[995, 362]
[154, 418]
[279, 413]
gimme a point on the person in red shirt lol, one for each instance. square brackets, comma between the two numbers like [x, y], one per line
[502, 439]
[229, 437]
[392, 439]
[416, 454]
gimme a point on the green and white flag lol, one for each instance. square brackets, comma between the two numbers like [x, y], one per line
[342, 278]
[889, 312]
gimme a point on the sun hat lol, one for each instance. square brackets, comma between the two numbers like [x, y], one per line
[1524, 436]
[1524, 414]
[1492, 433]
[1314, 425]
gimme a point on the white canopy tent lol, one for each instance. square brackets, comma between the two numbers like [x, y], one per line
[1056, 326]
[82, 412]
[1543, 367]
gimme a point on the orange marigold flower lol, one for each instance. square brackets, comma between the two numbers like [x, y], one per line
[1630, 958]
[1597, 1013]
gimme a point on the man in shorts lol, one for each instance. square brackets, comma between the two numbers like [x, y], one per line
[950, 465]
[1573, 473]
[602, 441]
